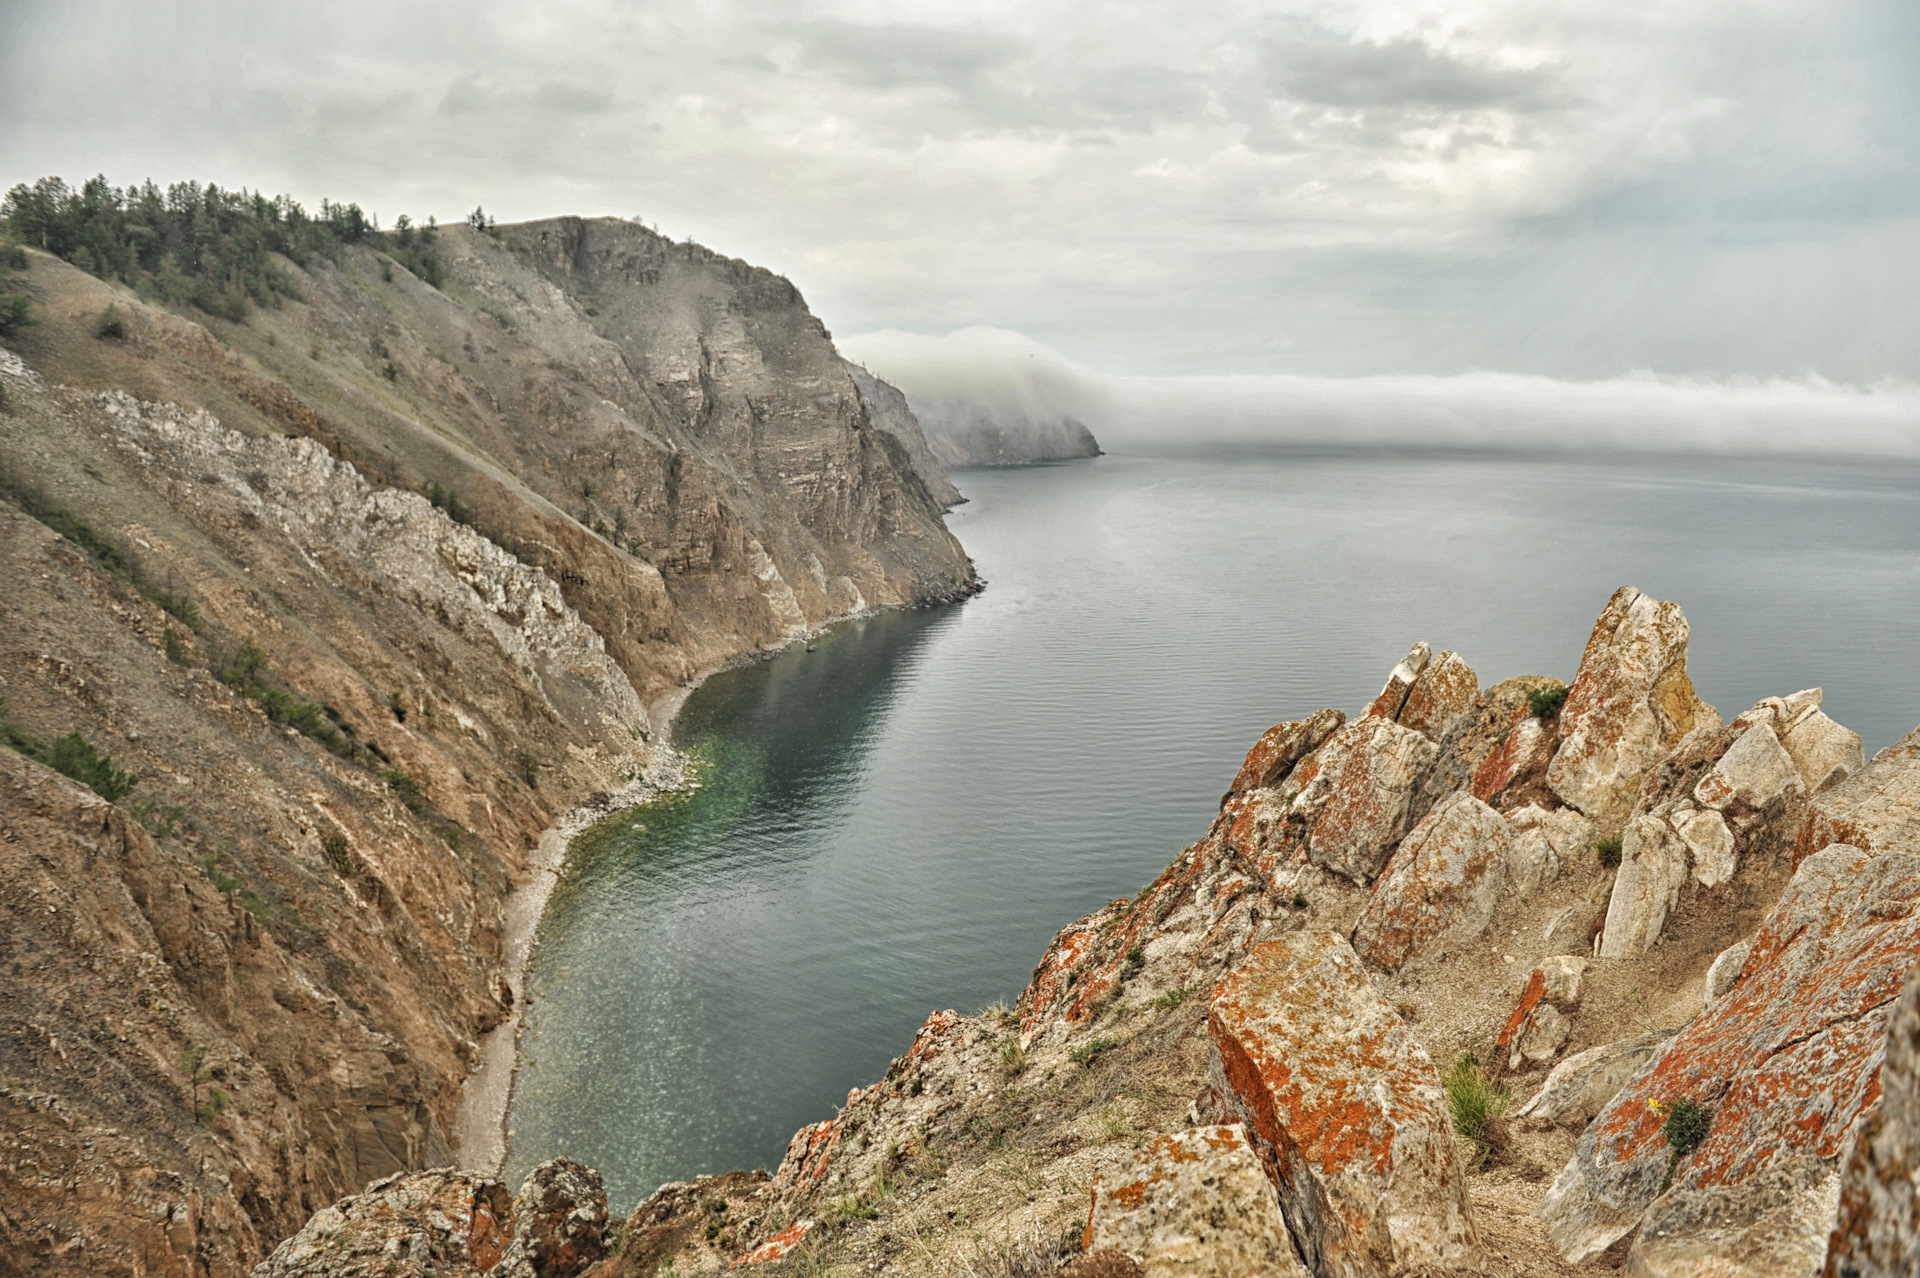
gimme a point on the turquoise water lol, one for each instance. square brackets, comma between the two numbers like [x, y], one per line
[901, 820]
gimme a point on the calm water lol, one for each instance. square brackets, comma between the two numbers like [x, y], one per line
[901, 820]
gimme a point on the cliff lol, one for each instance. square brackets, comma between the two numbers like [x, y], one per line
[1528, 979]
[322, 610]
[964, 433]
[887, 406]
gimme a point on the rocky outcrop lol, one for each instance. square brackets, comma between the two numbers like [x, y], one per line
[1876, 1229]
[1355, 794]
[1344, 1108]
[1581, 1085]
[1876, 809]
[1195, 1204]
[887, 408]
[1441, 888]
[964, 433]
[1786, 1062]
[1427, 693]
[1281, 747]
[1630, 704]
[1770, 1226]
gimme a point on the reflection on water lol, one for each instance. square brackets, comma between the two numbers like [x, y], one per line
[899, 821]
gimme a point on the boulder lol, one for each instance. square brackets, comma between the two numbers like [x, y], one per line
[1195, 1203]
[559, 1222]
[1786, 1062]
[1355, 792]
[1544, 841]
[1629, 705]
[1755, 772]
[1539, 1027]
[1653, 865]
[1561, 975]
[1773, 1226]
[1444, 692]
[1877, 1229]
[1580, 1086]
[1443, 881]
[1525, 754]
[1709, 844]
[1726, 970]
[1344, 1108]
[1877, 808]
[1400, 681]
[408, 1225]
[1542, 1036]
[1824, 752]
[1282, 746]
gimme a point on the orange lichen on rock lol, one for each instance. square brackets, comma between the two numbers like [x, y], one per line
[1196, 1203]
[777, 1247]
[1443, 881]
[1344, 1108]
[1877, 809]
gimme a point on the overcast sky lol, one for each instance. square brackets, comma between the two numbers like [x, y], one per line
[1324, 187]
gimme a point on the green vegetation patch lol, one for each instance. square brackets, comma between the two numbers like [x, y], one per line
[1475, 1103]
[1544, 702]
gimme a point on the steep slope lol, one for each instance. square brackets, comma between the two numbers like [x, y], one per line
[255, 979]
[888, 408]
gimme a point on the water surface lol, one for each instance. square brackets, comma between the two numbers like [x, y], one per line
[900, 821]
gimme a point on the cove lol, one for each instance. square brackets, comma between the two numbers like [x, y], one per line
[899, 821]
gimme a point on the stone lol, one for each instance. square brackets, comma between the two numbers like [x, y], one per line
[1629, 705]
[559, 1222]
[1653, 865]
[1755, 771]
[1877, 1224]
[1445, 691]
[1772, 1226]
[1344, 1108]
[1443, 881]
[1877, 808]
[1544, 841]
[1400, 681]
[1355, 793]
[1561, 974]
[1574, 928]
[1786, 1062]
[1580, 1086]
[1824, 752]
[1282, 746]
[778, 1247]
[1195, 1203]
[408, 1225]
[1710, 844]
[1726, 970]
[1526, 752]
[1546, 1031]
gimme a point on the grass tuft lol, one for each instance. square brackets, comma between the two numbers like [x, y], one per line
[1609, 850]
[1475, 1103]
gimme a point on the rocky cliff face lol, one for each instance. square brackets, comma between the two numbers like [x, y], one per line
[887, 406]
[964, 434]
[1415, 1005]
[337, 714]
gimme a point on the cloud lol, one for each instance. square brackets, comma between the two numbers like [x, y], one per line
[1403, 74]
[894, 55]
[1007, 376]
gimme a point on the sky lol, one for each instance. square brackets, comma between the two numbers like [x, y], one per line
[1566, 189]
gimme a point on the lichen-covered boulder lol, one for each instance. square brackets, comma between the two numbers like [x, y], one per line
[1445, 691]
[1823, 752]
[559, 1222]
[1522, 757]
[1876, 1233]
[1772, 1226]
[1354, 794]
[1877, 808]
[1282, 746]
[1195, 1205]
[1630, 704]
[408, 1225]
[1442, 883]
[1653, 866]
[1580, 1086]
[1725, 971]
[1755, 772]
[1785, 1062]
[1400, 681]
[1344, 1108]
[1543, 842]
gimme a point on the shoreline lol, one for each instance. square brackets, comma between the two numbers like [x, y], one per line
[479, 1136]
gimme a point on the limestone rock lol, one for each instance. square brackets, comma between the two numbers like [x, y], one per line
[1653, 865]
[1562, 973]
[1356, 798]
[1877, 808]
[1543, 841]
[1580, 1086]
[1773, 1226]
[1629, 705]
[408, 1225]
[1444, 692]
[1443, 881]
[1523, 756]
[1400, 681]
[1197, 1203]
[1877, 1234]
[1344, 1108]
[1726, 970]
[1786, 1062]
[887, 408]
[1709, 843]
[1546, 1031]
[1282, 746]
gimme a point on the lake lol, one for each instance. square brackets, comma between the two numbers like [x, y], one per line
[901, 820]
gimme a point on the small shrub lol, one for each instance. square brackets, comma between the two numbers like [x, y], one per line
[334, 848]
[1686, 1124]
[238, 668]
[158, 819]
[111, 327]
[1609, 850]
[1170, 999]
[449, 501]
[221, 882]
[528, 767]
[386, 271]
[1087, 1053]
[399, 710]
[1137, 956]
[16, 313]
[1545, 702]
[1474, 1101]
[17, 257]
[176, 648]
[178, 605]
[76, 757]
[407, 788]
[1012, 1059]
[1299, 900]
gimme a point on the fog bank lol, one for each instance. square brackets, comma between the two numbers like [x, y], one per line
[996, 371]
